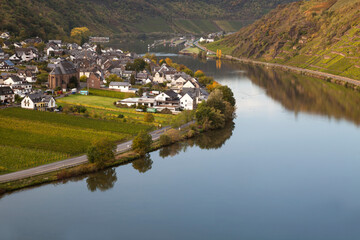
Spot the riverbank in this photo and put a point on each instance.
(63, 172)
(348, 82)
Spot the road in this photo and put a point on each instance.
(71, 162)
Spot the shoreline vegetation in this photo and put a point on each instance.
(209, 115)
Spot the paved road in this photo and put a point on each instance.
(71, 162)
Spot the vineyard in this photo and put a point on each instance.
(31, 138)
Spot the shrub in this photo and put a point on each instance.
(148, 117)
(166, 111)
(191, 133)
(174, 135)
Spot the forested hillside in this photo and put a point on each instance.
(316, 34)
(56, 18)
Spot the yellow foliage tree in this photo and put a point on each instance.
(80, 34)
(212, 86)
(168, 61)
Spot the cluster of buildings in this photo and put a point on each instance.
(67, 63)
(184, 92)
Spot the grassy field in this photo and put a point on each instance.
(219, 45)
(192, 50)
(110, 93)
(31, 138)
(104, 106)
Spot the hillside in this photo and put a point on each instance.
(316, 34)
(55, 18)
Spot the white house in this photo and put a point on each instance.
(13, 79)
(38, 101)
(188, 84)
(21, 89)
(122, 86)
(5, 35)
(187, 102)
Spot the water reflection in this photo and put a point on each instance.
(214, 139)
(143, 164)
(102, 181)
(300, 93)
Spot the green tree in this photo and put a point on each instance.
(209, 117)
(101, 151)
(215, 100)
(142, 143)
(188, 71)
(42, 77)
(138, 65)
(228, 95)
(165, 140)
(132, 80)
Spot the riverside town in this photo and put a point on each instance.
(179, 119)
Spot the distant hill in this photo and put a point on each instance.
(56, 18)
(317, 34)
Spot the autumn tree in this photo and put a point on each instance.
(168, 61)
(80, 35)
(199, 73)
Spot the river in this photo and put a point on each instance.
(287, 168)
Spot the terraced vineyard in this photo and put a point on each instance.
(318, 35)
(31, 138)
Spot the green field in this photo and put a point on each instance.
(219, 45)
(110, 93)
(31, 138)
(104, 106)
(192, 50)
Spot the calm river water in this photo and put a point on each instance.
(287, 168)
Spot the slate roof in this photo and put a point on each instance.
(173, 95)
(39, 97)
(6, 91)
(119, 84)
(15, 78)
(64, 67)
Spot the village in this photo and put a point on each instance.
(34, 74)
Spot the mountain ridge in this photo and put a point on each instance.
(55, 18)
(317, 35)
